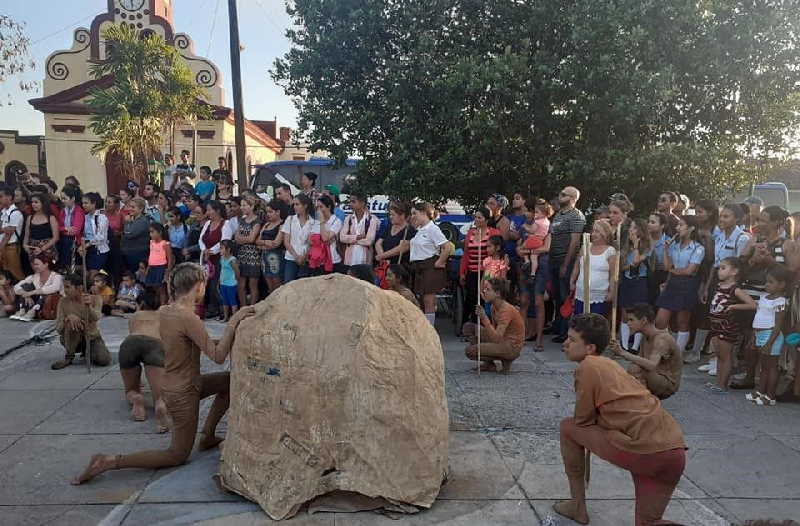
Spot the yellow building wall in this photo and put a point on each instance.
(69, 153)
(255, 151)
(27, 154)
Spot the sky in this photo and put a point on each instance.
(262, 26)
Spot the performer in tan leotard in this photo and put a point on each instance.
(185, 338)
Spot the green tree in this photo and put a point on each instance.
(153, 90)
(14, 53)
(454, 98)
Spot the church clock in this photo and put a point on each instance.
(131, 5)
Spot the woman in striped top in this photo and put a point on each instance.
(475, 243)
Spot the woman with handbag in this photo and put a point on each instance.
(394, 245)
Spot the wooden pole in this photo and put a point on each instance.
(614, 283)
(587, 265)
(87, 351)
(238, 104)
(480, 240)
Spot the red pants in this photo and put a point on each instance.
(655, 475)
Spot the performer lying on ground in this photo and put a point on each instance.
(503, 336)
(617, 419)
(185, 338)
(142, 347)
(659, 364)
(76, 320)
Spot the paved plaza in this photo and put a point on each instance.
(743, 462)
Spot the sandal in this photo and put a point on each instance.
(755, 396)
(538, 347)
(765, 400)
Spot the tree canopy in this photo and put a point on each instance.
(153, 90)
(454, 98)
(14, 53)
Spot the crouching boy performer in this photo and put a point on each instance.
(184, 337)
(620, 421)
(76, 321)
(659, 365)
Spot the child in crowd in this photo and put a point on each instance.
(159, 262)
(128, 295)
(8, 300)
(495, 265)
(141, 272)
(536, 233)
(178, 234)
(725, 330)
(228, 279)
(768, 336)
(205, 187)
(633, 284)
(101, 288)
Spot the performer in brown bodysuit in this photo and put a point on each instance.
(620, 421)
(142, 348)
(184, 337)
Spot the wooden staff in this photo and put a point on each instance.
(480, 240)
(614, 284)
(587, 264)
(87, 352)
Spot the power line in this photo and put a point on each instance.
(269, 17)
(213, 26)
(69, 26)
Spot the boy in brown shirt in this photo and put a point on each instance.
(620, 421)
(76, 321)
(503, 336)
(659, 365)
(185, 338)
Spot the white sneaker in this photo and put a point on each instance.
(28, 316)
(712, 372)
(704, 368)
(19, 314)
(710, 366)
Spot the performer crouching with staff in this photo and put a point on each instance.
(184, 337)
(619, 420)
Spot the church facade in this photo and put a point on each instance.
(68, 83)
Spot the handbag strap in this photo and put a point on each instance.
(405, 235)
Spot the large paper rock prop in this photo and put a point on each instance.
(336, 386)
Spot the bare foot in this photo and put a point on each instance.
(571, 510)
(163, 420)
(209, 442)
(98, 464)
(487, 367)
(136, 400)
(506, 367)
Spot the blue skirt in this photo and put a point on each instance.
(632, 291)
(680, 294)
(601, 308)
(156, 275)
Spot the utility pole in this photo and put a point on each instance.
(238, 106)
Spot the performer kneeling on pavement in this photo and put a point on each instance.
(620, 421)
(502, 336)
(184, 337)
(76, 321)
(142, 347)
(659, 364)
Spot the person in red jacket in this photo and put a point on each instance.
(475, 241)
(70, 225)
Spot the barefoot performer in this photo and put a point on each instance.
(503, 335)
(142, 347)
(620, 421)
(184, 337)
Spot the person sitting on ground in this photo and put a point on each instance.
(76, 321)
(38, 294)
(620, 421)
(362, 272)
(659, 364)
(397, 280)
(183, 333)
(127, 296)
(502, 336)
(142, 347)
(100, 287)
(8, 299)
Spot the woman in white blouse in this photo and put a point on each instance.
(429, 253)
(35, 291)
(297, 230)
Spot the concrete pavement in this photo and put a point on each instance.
(743, 462)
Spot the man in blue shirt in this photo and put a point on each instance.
(206, 187)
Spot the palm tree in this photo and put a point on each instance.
(153, 90)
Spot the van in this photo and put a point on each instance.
(773, 193)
